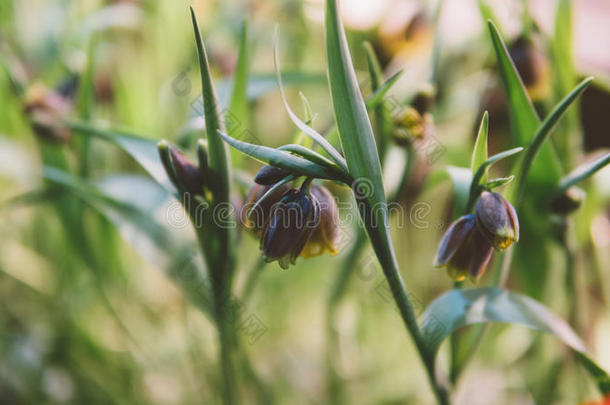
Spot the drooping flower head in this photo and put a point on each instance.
(292, 222)
(324, 238)
(463, 251)
(467, 246)
(497, 220)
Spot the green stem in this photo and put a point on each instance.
(384, 250)
(340, 284)
(221, 272)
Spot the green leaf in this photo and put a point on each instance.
(494, 183)
(479, 154)
(564, 79)
(218, 157)
(535, 147)
(475, 187)
(142, 150)
(285, 160)
(602, 380)
(135, 224)
(301, 138)
(121, 213)
(459, 308)
(461, 178)
(382, 115)
(380, 92)
(310, 155)
(85, 100)
(353, 122)
(318, 138)
(583, 172)
(524, 120)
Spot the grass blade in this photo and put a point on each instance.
(523, 117)
(582, 172)
(310, 155)
(380, 92)
(353, 123)
(142, 150)
(318, 138)
(218, 159)
(542, 134)
(479, 154)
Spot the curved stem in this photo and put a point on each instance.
(384, 250)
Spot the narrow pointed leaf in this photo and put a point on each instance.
(353, 122)
(382, 115)
(479, 154)
(494, 183)
(311, 156)
(284, 160)
(542, 134)
(523, 117)
(583, 172)
(380, 92)
(318, 138)
(475, 187)
(218, 159)
(142, 150)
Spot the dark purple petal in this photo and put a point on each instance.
(453, 238)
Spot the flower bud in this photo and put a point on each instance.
(569, 201)
(324, 238)
(463, 250)
(290, 226)
(261, 213)
(189, 176)
(46, 109)
(270, 175)
(497, 220)
(409, 126)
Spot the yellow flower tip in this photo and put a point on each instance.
(457, 274)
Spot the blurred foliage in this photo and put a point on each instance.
(103, 291)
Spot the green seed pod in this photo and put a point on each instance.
(497, 220)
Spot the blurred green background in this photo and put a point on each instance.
(93, 311)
